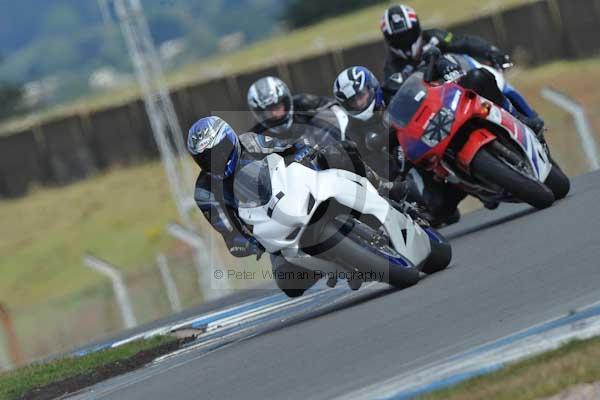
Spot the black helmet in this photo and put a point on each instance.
(264, 97)
(402, 31)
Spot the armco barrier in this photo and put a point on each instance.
(68, 149)
(489, 27)
(581, 21)
(61, 151)
(534, 31)
(314, 74)
(113, 126)
(369, 55)
(20, 163)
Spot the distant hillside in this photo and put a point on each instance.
(65, 37)
(67, 49)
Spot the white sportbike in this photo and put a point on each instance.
(334, 222)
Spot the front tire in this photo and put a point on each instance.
(441, 253)
(354, 252)
(558, 182)
(490, 169)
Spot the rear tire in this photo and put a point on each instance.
(354, 252)
(558, 182)
(489, 169)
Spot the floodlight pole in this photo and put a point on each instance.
(159, 107)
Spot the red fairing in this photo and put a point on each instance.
(427, 117)
(477, 140)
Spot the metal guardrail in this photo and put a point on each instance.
(118, 282)
(584, 128)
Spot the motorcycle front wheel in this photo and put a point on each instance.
(558, 182)
(441, 252)
(355, 252)
(488, 168)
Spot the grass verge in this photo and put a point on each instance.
(67, 375)
(534, 378)
(119, 215)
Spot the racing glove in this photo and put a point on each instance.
(242, 247)
(499, 59)
(432, 52)
(396, 190)
(447, 69)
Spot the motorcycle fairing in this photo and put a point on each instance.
(279, 224)
(525, 138)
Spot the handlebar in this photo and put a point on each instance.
(433, 54)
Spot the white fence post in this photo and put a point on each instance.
(204, 267)
(118, 283)
(582, 124)
(169, 282)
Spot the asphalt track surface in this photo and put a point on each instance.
(512, 268)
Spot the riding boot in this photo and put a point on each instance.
(535, 123)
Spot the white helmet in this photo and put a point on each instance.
(358, 92)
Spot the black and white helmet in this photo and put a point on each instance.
(358, 92)
(270, 101)
(402, 31)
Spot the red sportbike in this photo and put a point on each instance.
(469, 141)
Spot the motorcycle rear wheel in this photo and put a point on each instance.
(488, 168)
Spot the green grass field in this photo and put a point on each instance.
(16, 383)
(535, 378)
(343, 31)
(121, 214)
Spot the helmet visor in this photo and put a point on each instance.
(274, 114)
(215, 159)
(404, 40)
(360, 101)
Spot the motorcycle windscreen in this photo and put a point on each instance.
(252, 185)
(407, 101)
(402, 109)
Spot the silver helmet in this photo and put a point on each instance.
(270, 101)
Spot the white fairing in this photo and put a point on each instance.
(292, 187)
(342, 119)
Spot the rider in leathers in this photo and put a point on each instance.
(360, 95)
(406, 43)
(219, 162)
(358, 92)
(297, 127)
(278, 113)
